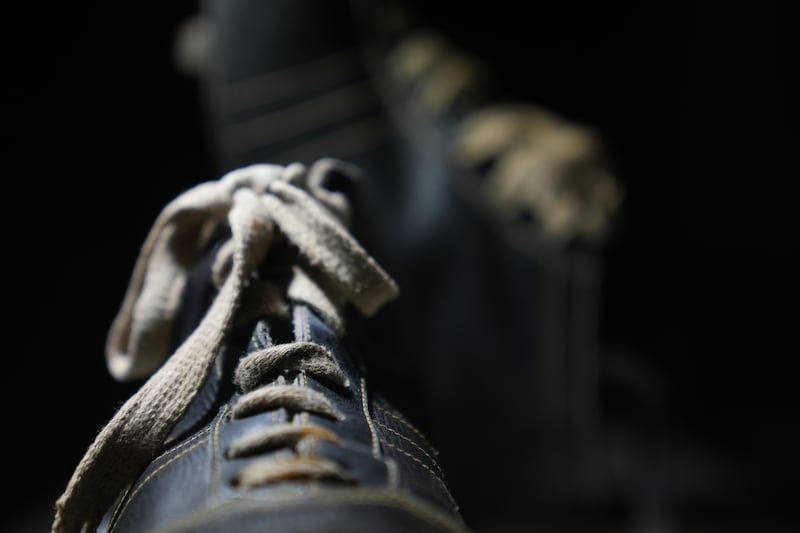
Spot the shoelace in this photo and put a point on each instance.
(312, 360)
(256, 202)
(540, 163)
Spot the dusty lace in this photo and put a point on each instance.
(540, 165)
(257, 203)
(310, 359)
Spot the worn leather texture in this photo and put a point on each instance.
(394, 482)
(494, 326)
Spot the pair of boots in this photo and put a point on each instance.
(367, 172)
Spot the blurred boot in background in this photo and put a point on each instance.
(490, 214)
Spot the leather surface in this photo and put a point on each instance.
(396, 483)
(492, 347)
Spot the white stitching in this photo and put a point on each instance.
(157, 471)
(404, 422)
(426, 467)
(376, 450)
(432, 460)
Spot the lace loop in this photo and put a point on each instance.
(293, 398)
(305, 356)
(286, 468)
(278, 436)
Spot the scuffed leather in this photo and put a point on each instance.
(396, 483)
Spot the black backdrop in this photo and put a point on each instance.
(697, 103)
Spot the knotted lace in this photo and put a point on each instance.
(257, 203)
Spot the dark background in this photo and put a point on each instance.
(697, 102)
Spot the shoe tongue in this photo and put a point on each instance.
(275, 330)
(197, 296)
(250, 338)
(219, 386)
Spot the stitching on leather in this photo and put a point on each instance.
(376, 450)
(431, 459)
(117, 509)
(215, 467)
(158, 470)
(391, 422)
(426, 467)
(428, 514)
(182, 445)
(381, 439)
(404, 422)
(392, 479)
(318, 75)
(123, 501)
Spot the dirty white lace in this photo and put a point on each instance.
(310, 359)
(257, 203)
(544, 165)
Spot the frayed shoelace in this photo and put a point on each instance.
(257, 203)
(311, 359)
